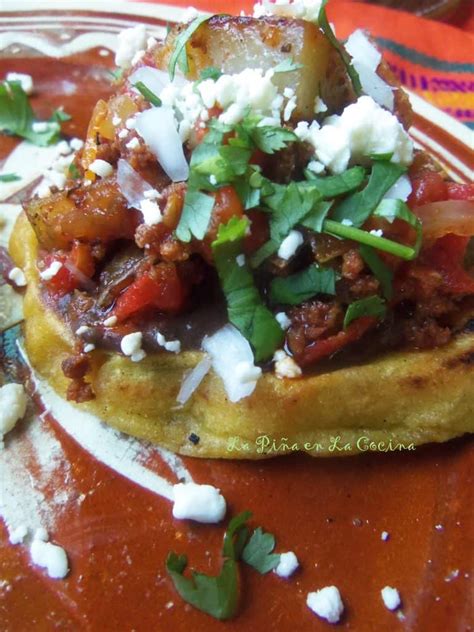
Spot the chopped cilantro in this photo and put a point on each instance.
(332, 186)
(73, 171)
(245, 307)
(218, 596)
(258, 552)
(288, 205)
(329, 33)
(296, 288)
(314, 220)
(270, 139)
(147, 93)
(60, 116)
(9, 177)
(364, 237)
(287, 65)
(196, 215)
(380, 269)
(210, 73)
(179, 56)
(396, 209)
(16, 116)
(370, 306)
(116, 74)
(359, 206)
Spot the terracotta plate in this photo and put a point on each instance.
(104, 509)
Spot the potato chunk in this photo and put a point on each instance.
(235, 43)
(95, 213)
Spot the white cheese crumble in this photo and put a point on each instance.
(189, 14)
(83, 329)
(202, 503)
(101, 168)
(131, 42)
(41, 534)
(116, 120)
(123, 133)
(287, 565)
(111, 321)
(285, 366)
(131, 123)
(326, 603)
(12, 407)
(51, 271)
(17, 276)
(384, 536)
(18, 535)
(174, 346)
(319, 106)
(290, 245)
(51, 557)
(133, 144)
(240, 260)
(26, 81)
(363, 129)
(283, 320)
(249, 91)
(89, 347)
(40, 126)
(390, 597)
(151, 212)
(131, 346)
(302, 9)
(76, 143)
(152, 194)
(376, 232)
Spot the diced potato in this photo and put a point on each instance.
(95, 213)
(235, 43)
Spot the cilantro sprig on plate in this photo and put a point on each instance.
(17, 116)
(218, 595)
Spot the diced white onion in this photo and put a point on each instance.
(366, 59)
(132, 186)
(157, 126)
(154, 79)
(193, 379)
(401, 190)
(228, 349)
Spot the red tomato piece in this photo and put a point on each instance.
(327, 347)
(460, 191)
(160, 288)
(428, 186)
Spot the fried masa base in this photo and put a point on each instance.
(400, 399)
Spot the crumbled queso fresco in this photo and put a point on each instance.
(326, 603)
(202, 503)
(12, 407)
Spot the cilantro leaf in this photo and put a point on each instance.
(329, 33)
(364, 237)
(380, 269)
(73, 171)
(234, 541)
(217, 596)
(314, 220)
(258, 552)
(370, 306)
(179, 55)
(287, 65)
(16, 116)
(148, 94)
(288, 205)
(332, 186)
(245, 307)
(270, 139)
(60, 116)
(210, 73)
(397, 209)
(359, 206)
(296, 288)
(196, 215)
(9, 177)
